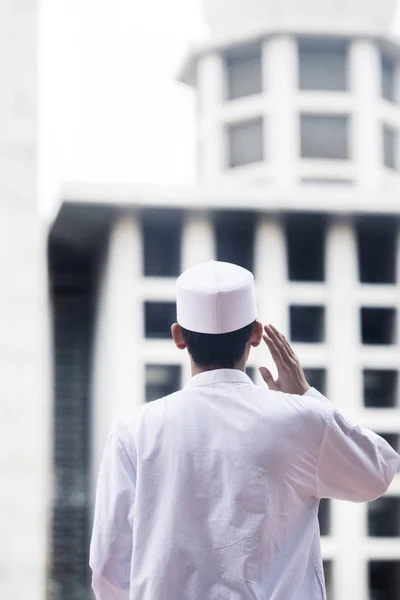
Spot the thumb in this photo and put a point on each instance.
(267, 376)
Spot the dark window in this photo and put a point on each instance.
(380, 388)
(251, 372)
(393, 439)
(325, 136)
(162, 231)
(243, 71)
(234, 237)
(307, 324)
(388, 67)
(324, 516)
(316, 379)
(328, 574)
(158, 318)
(389, 147)
(378, 326)
(376, 242)
(323, 64)
(162, 380)
(384, 579)
(245, 142)
(305, 238)
(384, 517)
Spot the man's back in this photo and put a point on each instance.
(219, 485)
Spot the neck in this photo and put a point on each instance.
(197, 369)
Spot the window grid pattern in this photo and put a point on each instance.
(305, 293)
(323, 64)
(325, 136)
(390, 142)
(243, 68)
(388, 78)
(245, 142)
(322, 67)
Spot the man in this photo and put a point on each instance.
(212, 493)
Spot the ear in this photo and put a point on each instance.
(257, 334)
(177, 336)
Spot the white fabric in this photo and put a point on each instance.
(215, 297)
(212, 493)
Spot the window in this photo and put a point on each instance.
(388, 81)
(234, 237)
(251, 372)
(380, 388)
(158, 318)
(325, 136)
(376, 244)
(324, 516)
(384, 517)
(323, 64)
(316, 379)
(305, 239)
(393, 439)
(384, 579)
(390, 147)
(307, 324)
(378, 326)
(162, 232)
(245, 142)
(162, 380)
(328, 574)
(243, 71)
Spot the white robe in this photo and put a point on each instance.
(212, 493)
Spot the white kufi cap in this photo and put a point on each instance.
(215, 297)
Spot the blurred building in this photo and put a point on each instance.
(25, 426)
(299, 180)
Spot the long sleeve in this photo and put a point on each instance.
(111, 544)
(355, 464)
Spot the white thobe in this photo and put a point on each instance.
(212, 493)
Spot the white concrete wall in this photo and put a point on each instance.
(25, 428)
(118, 384)
(281, 104)
(365, 77)
(232, 16)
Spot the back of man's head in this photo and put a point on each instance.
(216, 312)
(223, 350)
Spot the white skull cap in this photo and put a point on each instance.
(215, 297)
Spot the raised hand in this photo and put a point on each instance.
(291, 378)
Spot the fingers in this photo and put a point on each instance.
(285, 344)
(276, 356)
(277, 348)
(269, 380)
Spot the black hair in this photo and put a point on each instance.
(222, 350)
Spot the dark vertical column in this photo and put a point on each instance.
(72, 324)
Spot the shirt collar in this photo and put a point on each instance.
(219, 376)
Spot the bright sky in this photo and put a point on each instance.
(111, 110)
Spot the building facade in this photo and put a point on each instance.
(25, 424)
(299, 173)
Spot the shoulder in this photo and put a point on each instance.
(312, 403)
(298, 415)
(146, 414)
